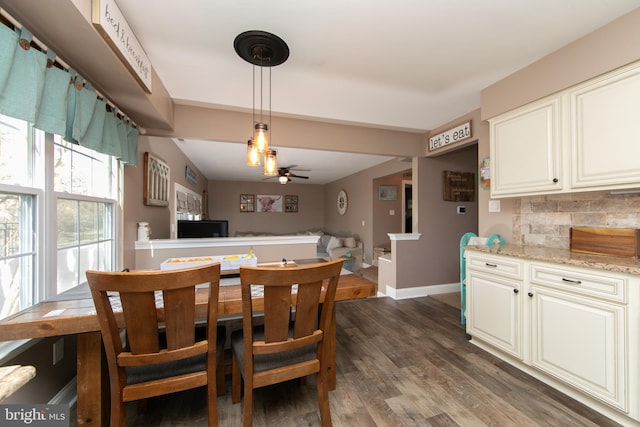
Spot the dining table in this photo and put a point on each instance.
(73, 313)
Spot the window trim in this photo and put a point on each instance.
(45, 224)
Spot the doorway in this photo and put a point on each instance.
(407, 207)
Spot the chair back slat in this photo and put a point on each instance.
(179, 317)
(160, 355)
(143, 318)
(292, 342)
(306, 319)
(140, 317)
(277, 313)
(279, 298)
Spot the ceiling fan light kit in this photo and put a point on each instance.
(264, 50)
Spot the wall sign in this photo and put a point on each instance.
(113, 27)
(459, 186)
(450, 136)
(156, 181)
(190, 176)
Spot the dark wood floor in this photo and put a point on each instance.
(400, 363)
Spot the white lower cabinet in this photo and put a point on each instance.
(576, 328)
(581, 342)
(494, 305)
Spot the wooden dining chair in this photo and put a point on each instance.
(292, 342)
(162, 352)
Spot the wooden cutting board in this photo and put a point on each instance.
(622, 242)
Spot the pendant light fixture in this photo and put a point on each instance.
(264, 50)
(253, 154)
(270, 163)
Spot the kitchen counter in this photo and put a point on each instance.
(563, 256)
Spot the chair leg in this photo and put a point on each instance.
(236, 380)
(220, 375)
(118, 413)
(212, 404)
(323, 398)
(247, 409)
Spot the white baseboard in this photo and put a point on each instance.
(420, 291)
(67, 395)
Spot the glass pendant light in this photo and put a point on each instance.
(261, 137)
(263, 50)
(253, 154)
(270, 164)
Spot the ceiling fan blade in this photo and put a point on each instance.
(293, 175)
(294, 167)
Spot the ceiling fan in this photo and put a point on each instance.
(285, 174)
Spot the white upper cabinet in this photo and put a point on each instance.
(605, 139)
(582, 139)
(525, 150)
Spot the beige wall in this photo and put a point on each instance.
(383, 221)
(158, 217)
(232, 126)
(49, 378)
(603, 50)
(224, 203)
(358, 219)
(434, 258)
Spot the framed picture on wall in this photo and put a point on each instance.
(291, 203)
(387, 192)
(156, 181)
(269, 203)
(247, 203)
(458, 186)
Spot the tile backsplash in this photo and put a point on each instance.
(546, 220)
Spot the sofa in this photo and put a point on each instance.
(335, 247)
(330, 247)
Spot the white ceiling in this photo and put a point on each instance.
(408, 64)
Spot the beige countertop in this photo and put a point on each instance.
(563, 256)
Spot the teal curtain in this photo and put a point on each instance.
(59, 101)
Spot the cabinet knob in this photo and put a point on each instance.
(515, 291)
(530, 294)
(555, 179)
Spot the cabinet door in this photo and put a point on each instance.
(525, 150)
(605, 140)
(493, 311)
(581, 341)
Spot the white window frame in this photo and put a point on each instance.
(45, 227)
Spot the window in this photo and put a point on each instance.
(84, 184)
(17, 254)
(58, 210)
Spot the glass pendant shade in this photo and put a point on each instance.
(261, 137)
(253, 154)
(270, 164)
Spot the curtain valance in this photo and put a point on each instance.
(59, 101)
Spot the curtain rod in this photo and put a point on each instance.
(9, 21)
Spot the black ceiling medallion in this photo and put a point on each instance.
(261, 48)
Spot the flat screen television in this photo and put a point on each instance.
(204, 228)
